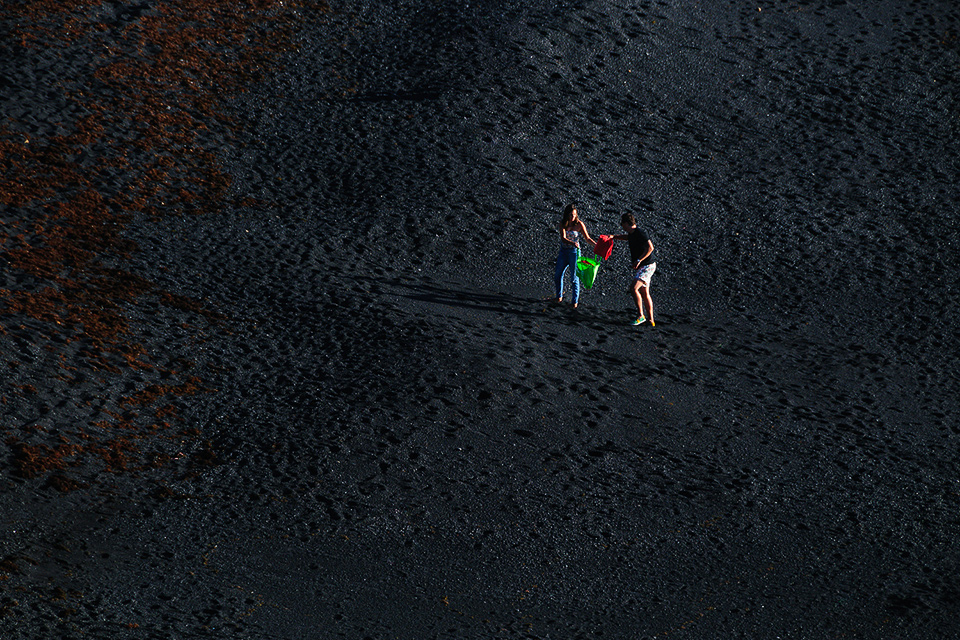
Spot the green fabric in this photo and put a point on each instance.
(587, 270)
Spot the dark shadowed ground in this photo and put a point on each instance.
(281, 361)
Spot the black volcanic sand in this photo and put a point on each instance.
(401, 436)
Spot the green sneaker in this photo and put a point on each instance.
(639, 320)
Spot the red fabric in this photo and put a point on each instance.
(604, 247)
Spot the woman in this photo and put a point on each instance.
(571, 228)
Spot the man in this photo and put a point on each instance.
(641, 253)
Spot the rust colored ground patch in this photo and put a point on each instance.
(134, 146)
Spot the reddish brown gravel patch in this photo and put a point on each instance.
(138, 149)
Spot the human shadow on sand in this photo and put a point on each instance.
(521, 306)
(470, 299)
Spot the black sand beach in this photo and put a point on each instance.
(281, 358)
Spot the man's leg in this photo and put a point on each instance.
(635, 292)
(644, 294)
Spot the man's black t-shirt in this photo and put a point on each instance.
(638, 240)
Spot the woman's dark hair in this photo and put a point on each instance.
(567, 214)
(628, 218)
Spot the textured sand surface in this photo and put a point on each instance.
(281, 359)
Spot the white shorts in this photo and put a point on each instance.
(644, 273)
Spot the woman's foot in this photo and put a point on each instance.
(639, 320)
